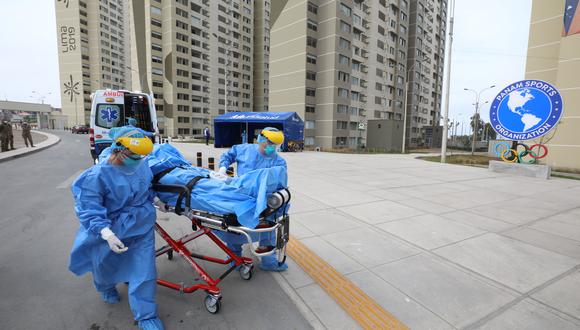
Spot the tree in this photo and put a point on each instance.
(489, 132)
(480, 126)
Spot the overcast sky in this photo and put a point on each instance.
(489, 48)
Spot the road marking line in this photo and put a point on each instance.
(353, 300)
(66, 183)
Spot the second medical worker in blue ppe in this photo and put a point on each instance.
(251, 157)
(116, 242)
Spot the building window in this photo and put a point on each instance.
(312, 8)
(345, 10)
(156, 35)
(156, 71)
(344, 27)
(341, 124)
(155, 10)
(312, 25)
(311, 42)
(342, 92)
(341, 108)
(156, 47)
(311, 92)
(311, 58)
(343, 76)
(309, 141)
(310, 75)
(309, 124)
(344, 44)
(343, 59)
(310, 108)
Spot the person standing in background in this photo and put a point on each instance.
(26, 135)
(206, 135)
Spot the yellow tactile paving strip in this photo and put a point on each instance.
(353, 300)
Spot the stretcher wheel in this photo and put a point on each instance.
(170, 255)
(193, 227)
(246, 272)
(212, 304)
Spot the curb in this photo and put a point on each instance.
(35, 150)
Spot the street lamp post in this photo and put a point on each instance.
(139, 75)
(406, 101)
(475, 119)
(40, 96)
(447, 86)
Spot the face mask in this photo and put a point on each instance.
(270, 149)
(130, 162)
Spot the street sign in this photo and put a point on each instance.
(526, 110)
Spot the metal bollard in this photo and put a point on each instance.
(199, 161)
(211, 163)
(230, 171)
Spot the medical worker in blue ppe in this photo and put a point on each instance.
(116, 242)
(251, 157)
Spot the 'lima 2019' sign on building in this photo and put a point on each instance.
(526, 110)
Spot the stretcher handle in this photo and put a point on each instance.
(183, 191)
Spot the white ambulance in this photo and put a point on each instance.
(113, 108)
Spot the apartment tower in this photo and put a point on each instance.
(553, 48)
(340, 63)
(93, 52)
(200, 59)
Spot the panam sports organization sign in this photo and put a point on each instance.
(526, 110)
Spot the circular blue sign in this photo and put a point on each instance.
(526, 110)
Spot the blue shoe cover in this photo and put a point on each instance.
(151, 324)
(111, 296)
(270, 264)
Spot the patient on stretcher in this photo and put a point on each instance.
(245, 196)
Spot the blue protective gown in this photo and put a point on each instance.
(249, 158)
(245, 195)
(120, 198)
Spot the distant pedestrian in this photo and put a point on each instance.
(4, 137)
(10, 136)
(206, 135)
(26, 135)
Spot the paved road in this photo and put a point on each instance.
(38, 292)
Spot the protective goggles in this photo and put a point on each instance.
(274, 137)
(139, 146)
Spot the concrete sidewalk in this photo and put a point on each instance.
(41, 139)
(439, 246)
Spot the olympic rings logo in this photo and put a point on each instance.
(512, 154)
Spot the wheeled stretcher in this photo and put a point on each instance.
(273, 221)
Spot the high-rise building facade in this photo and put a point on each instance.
(340, 63)
(553, 48)
(200, 59)
(425, 56)
(93, 48)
